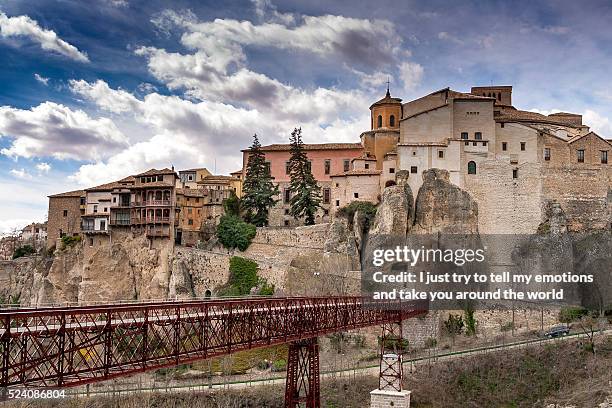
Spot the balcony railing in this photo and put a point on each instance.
(120, 222)
(151, 220)
(91, 229)
(152, 203)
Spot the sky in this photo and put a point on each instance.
(93, 91)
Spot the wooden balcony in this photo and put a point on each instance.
(151, 220)
(90, 229)
(152, 203)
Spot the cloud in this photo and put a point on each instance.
(599, 124)
(411, 74)
(54, 130)
(266, 11)
(43, 167)
(116, 101)
(21, 173)
(42, 80)
(445, 36)
(11, 226)
(48, 39)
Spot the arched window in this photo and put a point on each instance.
(391, 120)
(208, 293)
(471, 167)
(379, 121)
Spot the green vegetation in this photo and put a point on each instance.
(243, 278)
(24, 251)
(235, 233)
(306, 198)
(68, 241)
(258, 191)
(394, 343)
(572, 314)
(232, 206)
(365, 207)
(470, 320)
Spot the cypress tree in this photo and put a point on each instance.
(306, 198)
(258, 190)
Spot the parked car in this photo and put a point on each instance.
(557, 331)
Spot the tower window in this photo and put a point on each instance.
(515, 173)
(379, 121)
(504, 146)
(392, 120)
(547, 153)
(472, 167)
(580, 154)
(523, 145)
(604, 157)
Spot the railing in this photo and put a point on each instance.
(120, 222)
(151, 220)
(161, 203)
(91, 229)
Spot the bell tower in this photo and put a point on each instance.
(386, 113)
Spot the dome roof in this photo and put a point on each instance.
(387, 100)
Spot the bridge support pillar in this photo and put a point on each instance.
(389, 391)
(303, 387)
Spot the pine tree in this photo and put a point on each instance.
(306, 198)
(258, 190)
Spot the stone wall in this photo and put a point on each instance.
(69, 224)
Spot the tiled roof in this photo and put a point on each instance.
(125, 182)
(191, 170)
(312, 146)
(362, 172)
(75, 193)
(575, 138)
(464, 95)
(155, 172)
(237, 172)
(564, 114)
(218, 178)
(515, 115)
(387, 100)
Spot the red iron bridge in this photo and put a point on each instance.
(69, 346)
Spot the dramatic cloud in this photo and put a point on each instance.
(115, 101)
(48, 39)
(41, 79)
(411, 75)
(54, 130)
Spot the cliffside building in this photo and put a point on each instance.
(64, 217)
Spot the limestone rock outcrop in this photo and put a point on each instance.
(442, 207)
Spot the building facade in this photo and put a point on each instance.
(64, 216)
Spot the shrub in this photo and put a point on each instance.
(265, 288)
(231, 206)
(470, 320)
(235, 233)
(243, 275)
(68, 241)
(453, 325)
(24, 251)
(571, 314)
(279, 365)
(366, 207)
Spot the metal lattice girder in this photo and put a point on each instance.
(391, 350)
(302, 387)
(53, 347)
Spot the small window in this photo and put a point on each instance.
(189, 211)
(391, 120)
(286, 223)
(464, 135)
(356, 195)
(327, 166)
(95, 208)
(337, 203)
(347, 165)
(105, 209)
(190, 222)
(523, 145)
(504, 146)
(515, 173)
(268, 167)
(367, 166)
(287, 168)
(379, 121)
(547, 153)
(65, 213)
(580, 154)
(391, 170)
(286, 211)
(326, 195)
(325, 211)
(440, 154)
(502, 125)
(604, 156)
(114, 199)
(91, 242)
(478, 135)
(472, 167)
(286, 196)
(413, 169)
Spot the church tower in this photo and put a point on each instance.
(383, 136)
(386, 113)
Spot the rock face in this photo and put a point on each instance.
(394, 214)
(444, 207)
